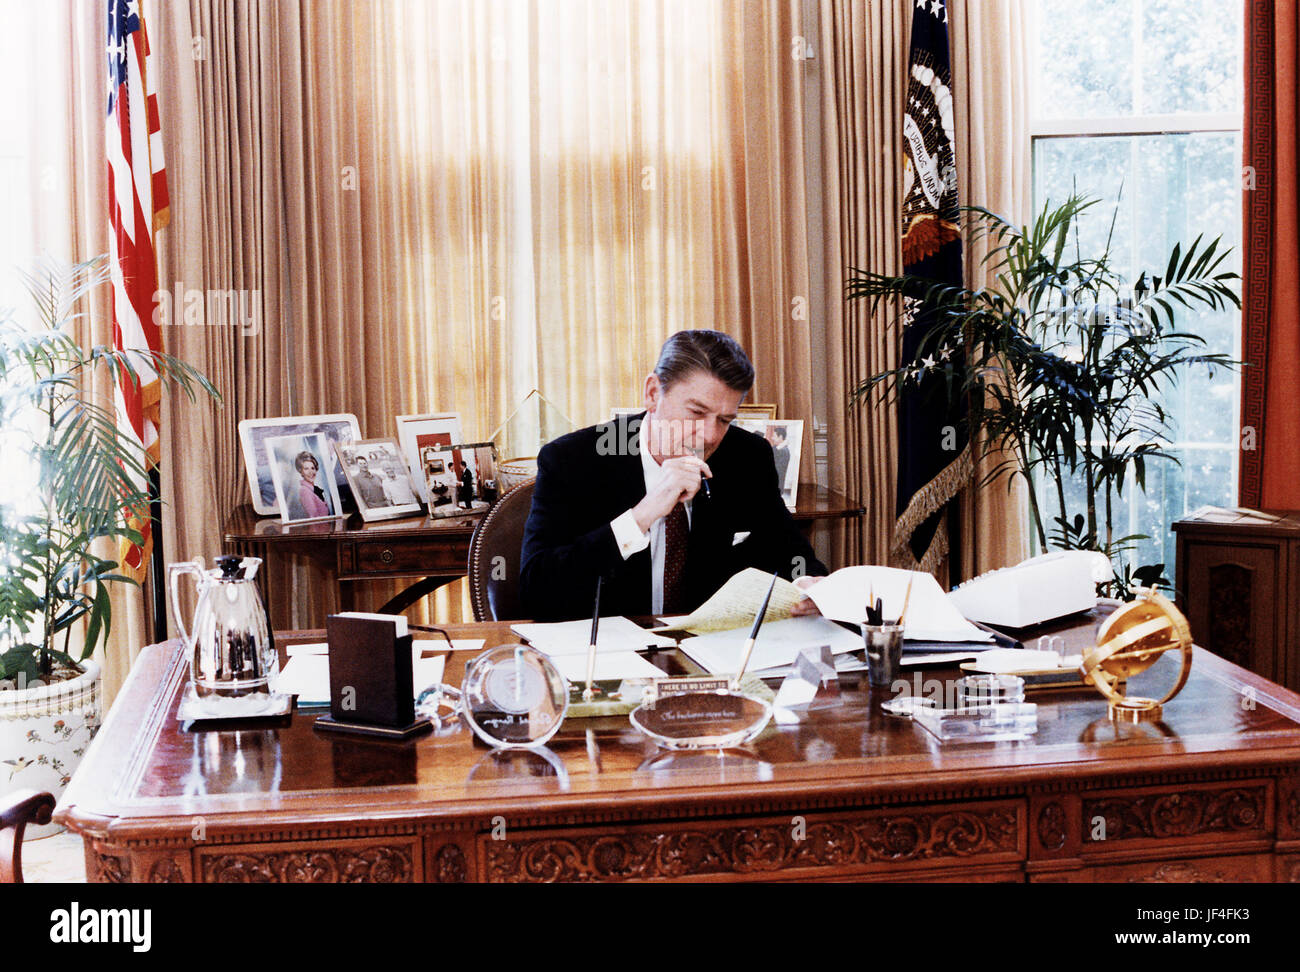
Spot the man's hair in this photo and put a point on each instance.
(778, 430)
(711, 352)
(305, 457)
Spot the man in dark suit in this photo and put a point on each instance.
(623, 500)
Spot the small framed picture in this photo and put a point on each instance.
(381, 483)
(785, 436)
(754, 410)
(304, 489)
(418, 432)
(460, 479)
(253, 434)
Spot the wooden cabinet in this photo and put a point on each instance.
(1239, 585)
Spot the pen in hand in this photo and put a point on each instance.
(704, 480)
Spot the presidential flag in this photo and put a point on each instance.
(137, 208)
(934, 454)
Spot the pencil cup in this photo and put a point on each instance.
(884, 646)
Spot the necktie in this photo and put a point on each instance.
(676, 531)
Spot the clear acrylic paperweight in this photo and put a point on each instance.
(513, 697)
(989, 723)
(718, 719)
(813, 681)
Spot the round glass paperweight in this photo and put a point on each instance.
(702, 720)
(513, 697)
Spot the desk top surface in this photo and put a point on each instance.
(144, 769)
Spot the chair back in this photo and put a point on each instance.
(494, 583)
(17, 810)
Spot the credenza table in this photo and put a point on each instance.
(429, 552)
(1210, 793)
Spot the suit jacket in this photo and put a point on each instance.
(587, 478)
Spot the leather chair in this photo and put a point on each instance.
(494, 584)
(17, 810)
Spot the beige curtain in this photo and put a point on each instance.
(494, 197)
(867, 49)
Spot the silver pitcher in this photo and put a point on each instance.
(231, 652)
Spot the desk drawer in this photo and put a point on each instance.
(920, 842)
(396, 557)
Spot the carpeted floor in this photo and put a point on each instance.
(58, 859)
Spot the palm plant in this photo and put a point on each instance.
(91, 477)
(1061, 362)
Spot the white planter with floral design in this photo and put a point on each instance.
(44, 732)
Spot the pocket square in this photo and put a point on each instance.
(740, 537)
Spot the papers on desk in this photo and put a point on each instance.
(737, 601)
(931, 616)
(617, 643)
(778, 644)
(307, 673)
(457, 644)
(573, 637)
(610, 666)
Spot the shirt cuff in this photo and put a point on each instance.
(628, 535)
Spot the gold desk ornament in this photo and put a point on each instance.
(1129, 642)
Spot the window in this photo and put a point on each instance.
(1138, 102)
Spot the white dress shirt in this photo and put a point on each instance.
(631, 540)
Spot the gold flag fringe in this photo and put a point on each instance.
(925, 503)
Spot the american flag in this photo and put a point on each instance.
(137, 207)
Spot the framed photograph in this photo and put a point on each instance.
(253, 434)
(418, 432)
(381, 483)
(754, 410)
(299, 466)
(460, 479)
(785, 436)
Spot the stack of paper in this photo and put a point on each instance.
(307, 673)
(776, 648)
(617, 643)
(931, 616)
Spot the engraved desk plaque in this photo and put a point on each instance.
(702, 720)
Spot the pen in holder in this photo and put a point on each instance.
(884, 648)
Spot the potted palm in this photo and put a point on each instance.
(1062, 365)
(59, 535)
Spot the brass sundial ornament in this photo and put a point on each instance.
(1131, 641)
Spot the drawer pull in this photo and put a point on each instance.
(386, 555)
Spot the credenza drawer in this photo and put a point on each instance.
(381, 557)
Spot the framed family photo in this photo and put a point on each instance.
(785, 436)
(460, 479)
(253, 436)
(381, 483)
(300, 466)
(418, 432)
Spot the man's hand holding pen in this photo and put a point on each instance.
(679, 482)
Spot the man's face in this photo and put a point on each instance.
(362, 465)
(690, 416)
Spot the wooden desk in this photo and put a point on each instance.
(1210, 794)
(434, 551)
